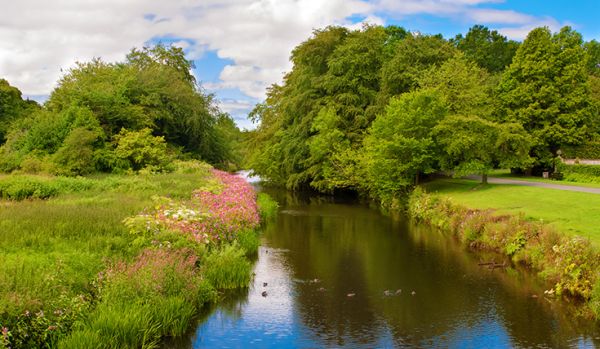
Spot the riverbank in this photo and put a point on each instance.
(120, 261)
(570, 262)
(572, 213)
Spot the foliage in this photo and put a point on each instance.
(580, 173)
(400, 143)
(412, 57)
(141, 149)
(17, 187)
(546, 90)
(72, 276)
(12, 107)
(475, 145)
(152, 90)
(489, 49)
(588, 150)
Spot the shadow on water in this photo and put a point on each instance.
(339, 274)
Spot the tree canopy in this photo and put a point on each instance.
(95, 102)
(374, 109)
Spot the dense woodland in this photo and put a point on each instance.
(115, 117)
(372, 110)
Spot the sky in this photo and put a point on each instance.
(239, 47)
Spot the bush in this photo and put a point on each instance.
(76, 155)
(20, 187)
(589, 150)
(142, 150)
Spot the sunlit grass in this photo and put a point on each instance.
(573, 213)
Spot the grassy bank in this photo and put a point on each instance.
(119, 261)
(572, 263)
(573, 213)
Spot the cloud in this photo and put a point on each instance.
(38, 38)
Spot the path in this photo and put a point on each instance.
(495, 180)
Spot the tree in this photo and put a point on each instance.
(327, 141)
(412, 56)
(473, 145)
(464, 87)
(287, 115)
(400, 143)
(546, 90)
(592, 48)
(12, 107)
(489, 49)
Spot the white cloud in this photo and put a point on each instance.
(38, 38)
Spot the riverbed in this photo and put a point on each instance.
(333, 272)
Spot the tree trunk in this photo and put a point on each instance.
(417, 179)
(484, 178)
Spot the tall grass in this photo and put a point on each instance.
(267, 206)
(69, 263)
(228, 267)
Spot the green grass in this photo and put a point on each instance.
(572, 213)
(506, 174)
(52, 250)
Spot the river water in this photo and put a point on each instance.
(335, 273)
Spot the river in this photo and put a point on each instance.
(335, 273)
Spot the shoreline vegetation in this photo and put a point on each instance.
(570, 263)
(376, 110)
(121, 261)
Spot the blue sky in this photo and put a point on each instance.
(240, 47)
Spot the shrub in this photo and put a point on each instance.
(76, 155)
(141, 149)
(580, 173)
(22, 187)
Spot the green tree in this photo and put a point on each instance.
(287, 115)
(488, 48)
(464, 87)
(546, 90)
(412, 57)
(592, 48)
(328, 140)
(12, 107)
(400, 143)
(473, 145)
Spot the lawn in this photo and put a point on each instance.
(572, 213)
(506, 174)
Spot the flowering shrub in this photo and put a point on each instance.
(209, 217)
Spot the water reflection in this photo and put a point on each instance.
(339, 274)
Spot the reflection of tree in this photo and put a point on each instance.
(353, 249)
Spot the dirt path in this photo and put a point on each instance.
(495, 180)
